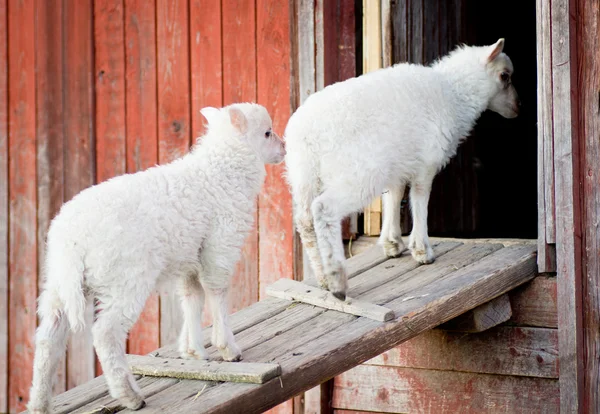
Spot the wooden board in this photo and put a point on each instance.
(249, 372)
(50, 136)
(481, 318)
(142, 140)
(531, 352)
(588, 19)
(297, 291)
(79, 152)
(568, 203)
(273, 71)
(22, 243)
(4, 282)
(205, 60)
(392, 390)
(174, 119)
(534, 304)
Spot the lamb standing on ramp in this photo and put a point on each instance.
(184, 223)
(380, 132)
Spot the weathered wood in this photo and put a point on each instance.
(568, 203)
(333, 342)
(588, 86)
(79, 154)
(275, 222)
(372, 59)
(22, 243)
(4, 283)
(250, 372)
(393, 390)
(318, 400)
(142, 139)
(174, 119)
(482, 317)
(415, 32)
(297, 291)
(534, 304)
(531, 352)
(50, 136)
(546, 227)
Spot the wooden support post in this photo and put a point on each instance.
(482, 318)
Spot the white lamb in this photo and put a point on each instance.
(184, 223)
(378, 133)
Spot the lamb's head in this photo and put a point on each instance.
(499, 68)
(251, 124)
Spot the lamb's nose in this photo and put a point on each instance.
(519, 105)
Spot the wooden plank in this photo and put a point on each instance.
(297, 291)
(334, 342)
(392, 390)
(483, 317)
(273, 71)
(109, 59)
(240, 85)
(415, 32)
(79, 159)
(22, 243)
(142, 139)
(534, 304)
(588, 19)
(400, 31)
(172, 29)
(530, 352)
(546, 226)
(205, 60)
(50, 134)
(250, 372)
(567, 201)
(372, 60)
(4, 281)
(431, 28)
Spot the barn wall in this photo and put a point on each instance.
(100, 88)
(510, 368)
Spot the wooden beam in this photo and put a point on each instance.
(568, 203)
(297, 291)
(483, 317)
(3, 205)
(251, 372)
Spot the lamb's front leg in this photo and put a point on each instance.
(222, 335)
(419, 198)
(191, 343)
(391, 230)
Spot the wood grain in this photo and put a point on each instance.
(205, 60)
(481, 318)
(79, 155)
(50, 134)
(503, 350)
(568, 203)
(172, 29)
(273, 71)
(392, 390)
(588, 62)
(4, 281)
(534, 304)
(22, 243)
(141, 137)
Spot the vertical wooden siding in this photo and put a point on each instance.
(101, 88)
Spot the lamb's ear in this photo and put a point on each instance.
(210, 113)
(495, 50)
(238, 119)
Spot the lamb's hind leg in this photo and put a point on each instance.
(306, 229)
(191, 343)
(391, 231)
(109, 332)
(419, 198)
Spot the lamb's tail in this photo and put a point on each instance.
(64, 273)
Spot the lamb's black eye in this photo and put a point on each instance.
(267, 134)
(504, 76)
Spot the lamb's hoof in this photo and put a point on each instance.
(393, 249)
(38, 410)
(423, 256)
(231, 353)
(200, 354)
(337, 283)
(136, 404)
(339, 295)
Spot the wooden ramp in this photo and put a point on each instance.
(312, 344)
